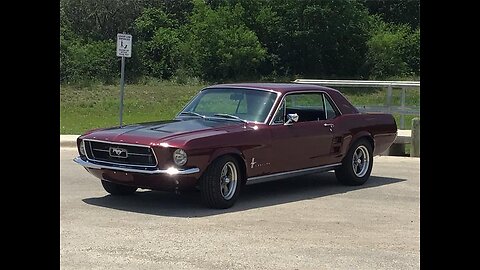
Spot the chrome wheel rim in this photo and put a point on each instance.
(360, 161)
(228, 180)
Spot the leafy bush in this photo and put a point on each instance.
(393, 50)
(160, 55)
(149, 21)
(94, 60)
(158, 45)
(220, 45)
(218, 40)
(411, 52)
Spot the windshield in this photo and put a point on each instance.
(232, 103)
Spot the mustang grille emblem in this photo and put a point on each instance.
(118, 152)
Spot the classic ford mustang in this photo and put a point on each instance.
(233, 134)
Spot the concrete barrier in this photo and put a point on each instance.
(415, 148)
(404, 137)
(68, 141)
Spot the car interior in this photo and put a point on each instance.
(307, 114)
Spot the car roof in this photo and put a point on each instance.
(277, 87)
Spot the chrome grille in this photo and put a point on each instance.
(120, 153)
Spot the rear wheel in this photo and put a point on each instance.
(356, 165)
(220, 184)
(117, 189)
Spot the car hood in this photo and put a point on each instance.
(154, 133)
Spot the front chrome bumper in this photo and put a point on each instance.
(169, 171)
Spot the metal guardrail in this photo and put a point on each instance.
(388, 107)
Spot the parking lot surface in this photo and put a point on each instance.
(309, 222)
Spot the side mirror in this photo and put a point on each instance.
(292, 118)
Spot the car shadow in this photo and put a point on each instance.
(189, 204)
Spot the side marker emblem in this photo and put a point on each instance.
(252, 163)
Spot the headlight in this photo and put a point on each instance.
(82, 148)
(179, 157)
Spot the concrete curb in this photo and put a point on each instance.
(403, 136)
(68, 141)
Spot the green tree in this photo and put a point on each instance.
(411, 51)
(220, 44)
(90, 61)
(158, 44)
(393, 50)
(178, 10)
(160, 55)
(259, 17)
(101, 19)
(65, 36)
(396, 12)
(310, 37)
(149, 21)
(240, 39)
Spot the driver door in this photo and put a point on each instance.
(306, 143)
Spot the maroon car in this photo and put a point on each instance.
(233, 134)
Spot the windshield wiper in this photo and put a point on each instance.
(229, 116)
(193, 113)
(223, 115)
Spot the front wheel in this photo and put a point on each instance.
(116, 189)
(220, 184)
(356, 165)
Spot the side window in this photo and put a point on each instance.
(308, 106)
(331, 111)
(313, 101)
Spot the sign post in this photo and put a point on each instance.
(124, 49)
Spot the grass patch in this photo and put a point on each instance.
(84, 108)
(95, 105)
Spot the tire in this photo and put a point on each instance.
(116, 189)
(221, 182)
(356, 172)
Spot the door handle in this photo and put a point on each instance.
(328, 125)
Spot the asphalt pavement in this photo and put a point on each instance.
(309, 222)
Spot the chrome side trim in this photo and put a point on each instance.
(220, 86)
(282, 175)
(121, 143)
(277, 111)
(169, 171)
(270, 114)
(325, 107)
(331, 101)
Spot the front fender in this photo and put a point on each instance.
(225, 151)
